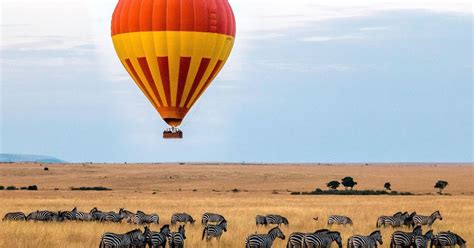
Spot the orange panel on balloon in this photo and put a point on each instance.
(173, 49)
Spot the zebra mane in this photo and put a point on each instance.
(322, 230)
(374, 232)
(416, 229)
(140, 212)
(164, 227)
(397, 213)
(271, 230)
(459, 238)
(437, 211)
(134, 231)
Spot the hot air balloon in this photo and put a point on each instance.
(173, 50)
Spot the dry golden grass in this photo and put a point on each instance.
(133, 186)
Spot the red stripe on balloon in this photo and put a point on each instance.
(200, 74)
(165, 77)
(184, 64)
(149, 77)
(211, 77)
(139, 81)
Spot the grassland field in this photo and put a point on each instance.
(199, 188)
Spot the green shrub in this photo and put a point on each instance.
(2, 187)
(12, 188)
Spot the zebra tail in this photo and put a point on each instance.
(203, 233)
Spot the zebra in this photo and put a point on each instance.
(421, 241)
(264, 240)
(408, 222)
(322, 240)
(177, 238)
(45, 216)
(15, 216)
(181, 217)
(295, 239)
(447, 239)
(370, 241)
(214, 231)
(394, 221)
(125, 213)
(134, 238)
(141, 218)
(339, 219)
(404, 239)
(158, 239)
(82, 216)
(97, 215)
(260, 220)
(113, 216)
(420, 220)
(276, 219)
(70, 215)
(211, 217)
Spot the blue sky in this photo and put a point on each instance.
(335, 81)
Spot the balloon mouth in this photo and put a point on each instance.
(174, 122)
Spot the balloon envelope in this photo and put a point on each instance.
(173, 49)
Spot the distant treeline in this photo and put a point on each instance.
(31, 187)
(98, 188)
(351, 192)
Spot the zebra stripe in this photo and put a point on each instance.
(82, 216)
(322, 240)
(133, 238)
(15, 216)
(276, 219)
(157, 239)
(211, 217)
(394, 221)
(421, 241)
(339, 220)
(45, 216)
(214, 231)
(140, 218)
(70, 215)
(260, 220)
(420, 220)
(448, 239)
(264, 240)
(404, 239)
(295, 240)
(177, 238)
(370, 241)
(181, 217)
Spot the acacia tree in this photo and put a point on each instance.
(333, 185)
(388, 186)
(348, 182)
(440, 185)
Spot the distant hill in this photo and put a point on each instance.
(12, 158)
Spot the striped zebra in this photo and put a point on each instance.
(140, 218)
(214, 231)
(260, 220)
(408, 222)
(447, 239)
(134, 238)
(83, 216)
(322, 240)
(113, 216)
(70, 215)
(401, 239)
(276, 220)
(211, 217)
(45, 216)
(420, 220)
(264, 240)
(370, 241)
(125, 213)
(421, 241)
(181, 217)
(177, 238)
(15, 216)
(97, 215)
(295, 239)
(339, 220)
(395, 220)
(158, 239)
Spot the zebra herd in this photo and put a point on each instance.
(214, 225)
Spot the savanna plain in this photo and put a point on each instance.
(237, 191)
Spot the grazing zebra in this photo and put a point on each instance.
(214, 231)
(394, 221)
(113, 216)
(140, 218)
(97, 215)
(45, 216)
(158, 239)
(339, 219)
(264, 240)
(420, 220)
(70, 215)
(276, 219)
(370, 241)
(177, 238)
(181, 217)
(260, 220)
(15, 216)
(421, 241)
(404, 239)
(322, 240)
(447, 239)
(295, 240)
(82, 216)
(134, 238)
(125, 213)
(211, 217)
(408, 222)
